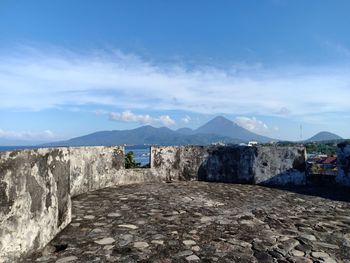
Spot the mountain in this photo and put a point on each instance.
(186, 131)
(224, 127)
(217, 130)
(324, 136)
(143, 135)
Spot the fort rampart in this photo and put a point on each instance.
(36, 186)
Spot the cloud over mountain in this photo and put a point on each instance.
(252, 124)
(128, 116)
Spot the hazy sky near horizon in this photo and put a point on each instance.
(68, 68)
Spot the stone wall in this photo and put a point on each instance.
(343, 165)
(35, 201)
(178, 162)
(231, 164)
(93, 168)
(36, 186)
(139, 175)
(97, 167)
(280, 165)
(255, 165)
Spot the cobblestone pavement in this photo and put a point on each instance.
(203, 222)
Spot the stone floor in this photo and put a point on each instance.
(204, 222)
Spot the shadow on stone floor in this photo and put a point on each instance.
(331, 192)
(286, 181)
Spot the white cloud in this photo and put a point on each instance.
(186, 119)
(128, 116)
(166, 120)
(39, 80)
(252, 124)
(27, 135)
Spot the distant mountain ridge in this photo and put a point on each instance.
(324, 136)
(143, 135)
(224, 127)
(218, 130)
(186, 131)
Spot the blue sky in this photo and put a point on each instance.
(68, 68)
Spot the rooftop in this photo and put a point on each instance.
(206, 222)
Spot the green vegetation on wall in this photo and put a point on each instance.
(130, 162)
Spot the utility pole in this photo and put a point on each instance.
(301, 132)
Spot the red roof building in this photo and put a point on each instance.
(329, 160)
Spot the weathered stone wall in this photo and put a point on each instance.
(94, 168)
(280, 165)
(231, 164)
(343, 165)
(36, 187)
(178, 162)
(140, 175)
(35, 201)
(228, 164)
